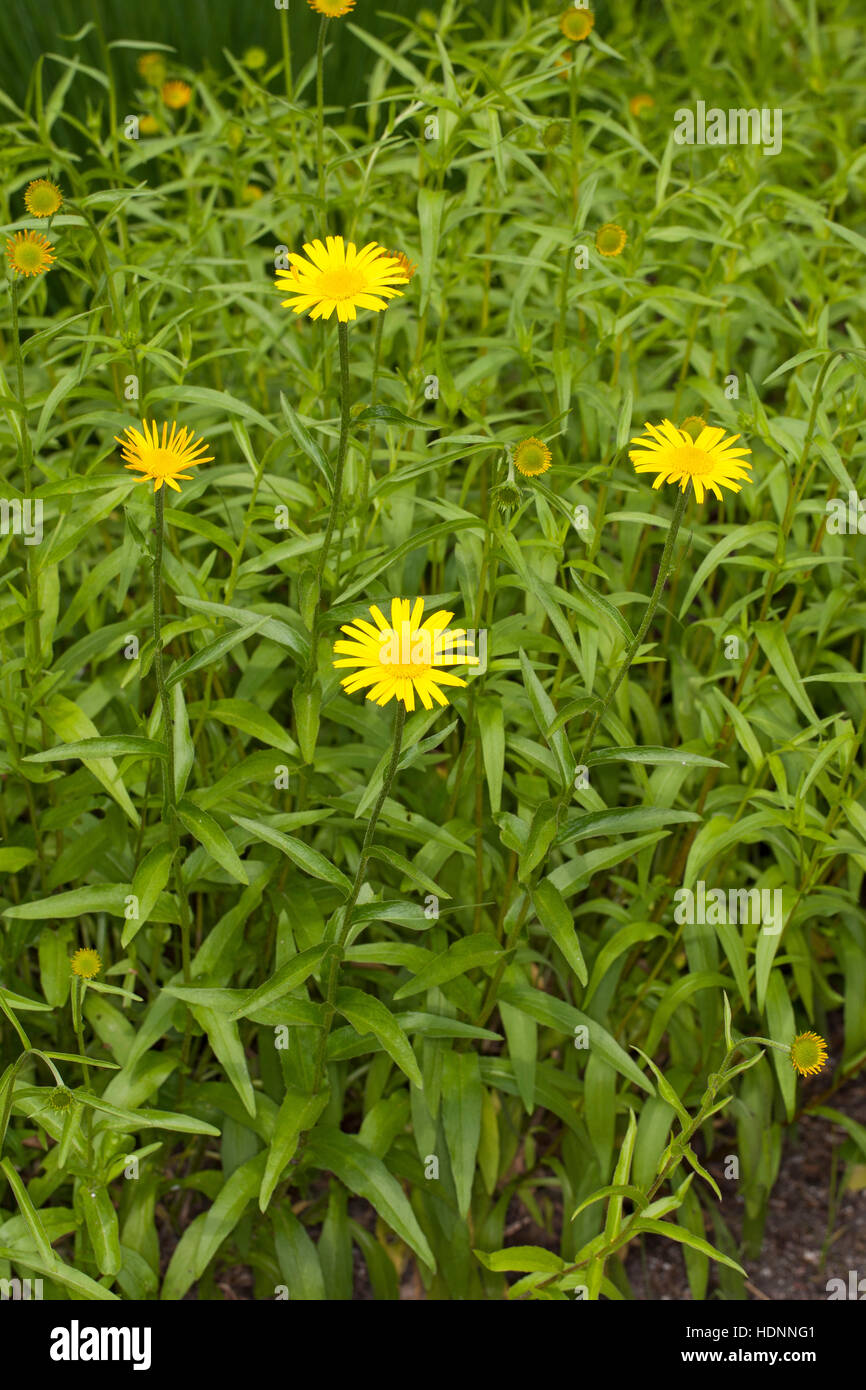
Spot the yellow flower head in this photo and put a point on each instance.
(531, 457)
(29, 253)
(163, 460)
(332, 9)
(576, 24)
(808, 1054)
(251, 193)
(151, 67)
(340, 277)
(85, 963)
(176, 93)
(709, 462)
(148, 125)
(408, 267)
(642, 102)
(405, 657)
(255, 58)
(610, 239)
(42, 198)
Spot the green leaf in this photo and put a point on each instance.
(465, 954)
(389, 415)
(364, 1174)
(555, 916)
(310, 860)
(287, 978)
(225, 1040)
(120, 746)
(643, 1225)
(367, 1014)
(461, 1120)
(777, 649)
(655, 756)
(213, 652)
(216, 842)
(298, 1112)
(207, 1233)
(520, 1259)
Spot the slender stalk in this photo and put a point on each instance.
(169, 792)
(320, 108)
(337, 492)
(365, 474)
(339, 949)
(664, 569)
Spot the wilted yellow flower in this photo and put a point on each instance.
(709, 462)
(610, 239)
(642, 102)
(808, 1053)
(176, 93)
(576, 24)
(29, 253)
(42, 198)
(151, 67)
(340, 277)
(408, 267)
(405, 657)
(162, 460)
(85, 963)
(531, 457)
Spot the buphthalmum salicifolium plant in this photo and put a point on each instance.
(432, 818)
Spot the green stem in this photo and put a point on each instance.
(320, 110)
(368, 457)
(169, 792)
(339, 949)
(664, 569)
(336, 495)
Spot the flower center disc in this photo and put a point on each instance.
(405, 654)
(342, 283)
(693, 461)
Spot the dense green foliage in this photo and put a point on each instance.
(515, 944)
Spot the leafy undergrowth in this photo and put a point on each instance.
(303, 992)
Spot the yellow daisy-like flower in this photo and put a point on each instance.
(808, 1054)
(405, 657)
(642, 102)
(340, 277)
(151, 67)
(577, 24)
(176, 94)
(163, 460)
(29, 253)
(408, 267)
(610, 239)
(85, 963)
(531, 457)
(709, 462)
(42, 198)
(332, 9)
(148, 125)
